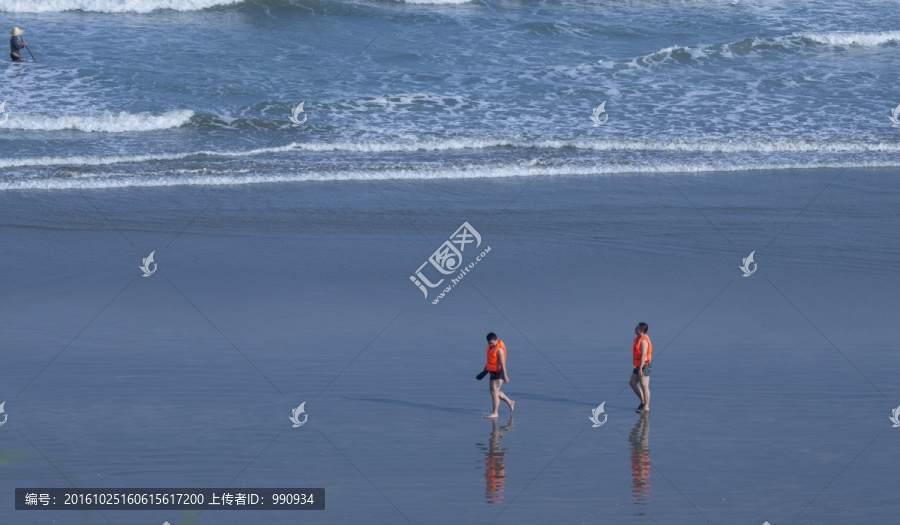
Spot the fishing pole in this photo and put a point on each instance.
(30, 53)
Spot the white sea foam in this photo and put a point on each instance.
(733, 146)
(839, 38)
(736, 146)
(90, 160)
(835, 38)
(666, 53)
(437, 2)
(107, 122)
(108, 6)
(472, 172)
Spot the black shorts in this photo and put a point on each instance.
(16, 58)
(646, 370)
(496, 375)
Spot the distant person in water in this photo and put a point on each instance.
(16, 44)
(496, 367)
(641, 355)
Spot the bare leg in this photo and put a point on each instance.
(506, 400)
(645, 387)
(634, 386)
(494, 388)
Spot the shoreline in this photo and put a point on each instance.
(561, 174)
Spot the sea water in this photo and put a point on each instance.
(200, 92)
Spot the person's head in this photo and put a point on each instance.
(492, 338)
(641, 328)
(16, 32)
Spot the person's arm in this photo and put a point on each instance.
(643, 358)
(502, 354)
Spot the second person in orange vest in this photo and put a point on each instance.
(496, 366)
(641, 355)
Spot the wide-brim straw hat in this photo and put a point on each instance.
(16, 32)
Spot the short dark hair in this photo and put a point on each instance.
(643, 326)
(491, 336)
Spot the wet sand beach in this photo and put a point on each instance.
(771, 393)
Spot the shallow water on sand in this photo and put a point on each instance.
(771, 393)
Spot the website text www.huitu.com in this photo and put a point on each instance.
(454, 281)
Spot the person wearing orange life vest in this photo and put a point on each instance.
(496, 366)
(641, 355)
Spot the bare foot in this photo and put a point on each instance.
(491, 416)
(512, 405)
(646, 410)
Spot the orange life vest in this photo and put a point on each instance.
(493, 357)
(636, 351)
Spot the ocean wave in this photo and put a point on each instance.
(731, 146)
(645, 146)
(106, 123)
(149, 6)
(87, 160)
(471, 172)
(109, 6)
(438, 2)
(840, 38)
(789, 42)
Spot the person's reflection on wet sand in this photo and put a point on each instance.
(495, 463)
(640, 462)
